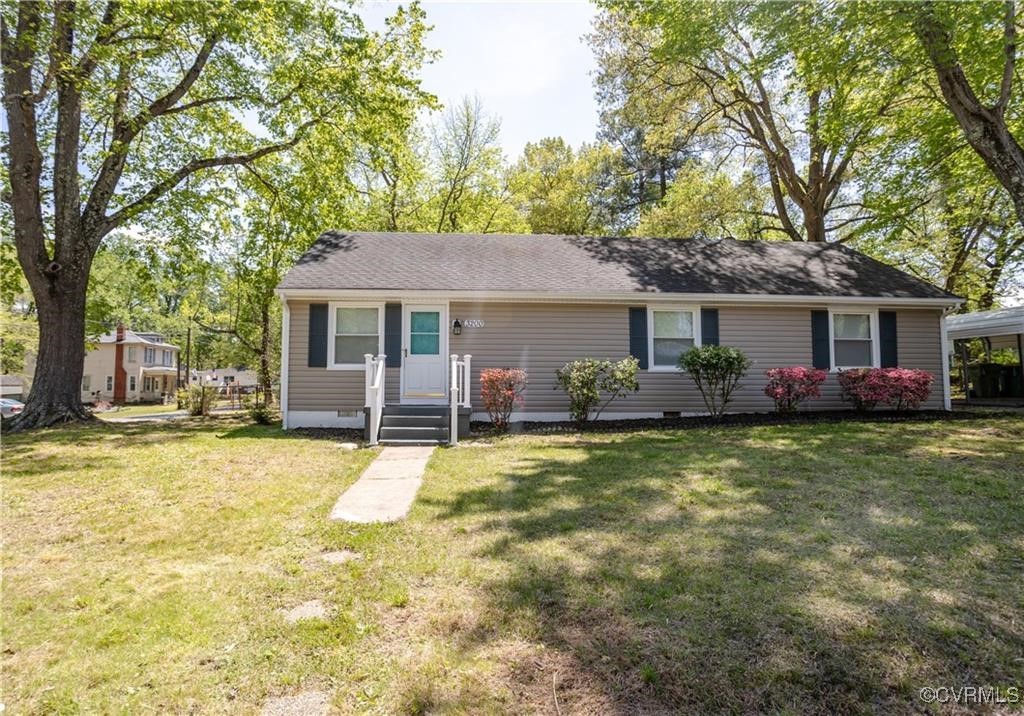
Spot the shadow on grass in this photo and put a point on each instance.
(828, 569)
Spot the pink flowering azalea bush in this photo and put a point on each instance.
(864, 387)
(902, 388)
(501, 390)
(908, 388)
(790, 386)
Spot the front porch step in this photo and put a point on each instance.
(414, 421)
(421, 435)
(414, 425)
(396, 441)
(415, 410)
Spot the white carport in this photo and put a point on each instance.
(997, 330)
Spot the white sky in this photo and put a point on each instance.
(527, 61)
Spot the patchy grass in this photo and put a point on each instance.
(130, 411)
(791, 569)
(144, 566)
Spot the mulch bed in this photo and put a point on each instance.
(348, 435)
(735, 420)
(483, 429)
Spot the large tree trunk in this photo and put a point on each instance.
(56, 388)
(814, 225)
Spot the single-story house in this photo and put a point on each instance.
(395, 322)
(126, 366)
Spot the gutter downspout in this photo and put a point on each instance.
(947, 403)
(285, 331)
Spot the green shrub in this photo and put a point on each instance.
(585, 380)
(197, 399)
(717, 371)
(257, 409)
(261, 414)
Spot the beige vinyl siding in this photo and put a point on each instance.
(542, 337)
(320, 389)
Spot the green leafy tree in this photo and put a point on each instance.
(391, 183)
(701, 203)
(134, 105)
(778, 82)
(470, 182)
(562, 191)
(651, 137)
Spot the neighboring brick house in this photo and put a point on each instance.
(130, 367)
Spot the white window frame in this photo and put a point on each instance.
(132, 384)
(651, 308)
(167, 359)
(86, 383)
(332, 321)
(146, 353)
(132, 355)
(872, 314)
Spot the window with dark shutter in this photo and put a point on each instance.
(709, 326)
(820, 351)
(317, 335)
(393, 335)
(887, 339)
(638, 335)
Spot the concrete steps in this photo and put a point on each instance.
(414, 425)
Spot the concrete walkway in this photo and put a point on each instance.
(385, 491)
(158, 417)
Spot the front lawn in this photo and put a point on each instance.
(131, 411)
(795, 569)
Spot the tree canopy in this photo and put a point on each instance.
(166, 162)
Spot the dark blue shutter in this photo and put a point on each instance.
(317, 335)
(709, 326)
(887, 338)
(393, 335)
(820, 353)
(638, 335)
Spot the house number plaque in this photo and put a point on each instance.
(473, 323)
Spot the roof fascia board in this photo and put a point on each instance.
(626, 298)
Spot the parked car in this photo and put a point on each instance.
(9, 407)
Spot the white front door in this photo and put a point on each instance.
(424, 340)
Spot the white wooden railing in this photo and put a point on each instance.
(374, 394)
(459, 393)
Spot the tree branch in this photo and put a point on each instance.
(202, 103)
(162, 187)
(126, 130)
(1009, 64)
(104, 35)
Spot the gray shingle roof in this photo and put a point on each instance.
(580, 264)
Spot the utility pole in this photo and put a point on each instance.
(188, 354)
